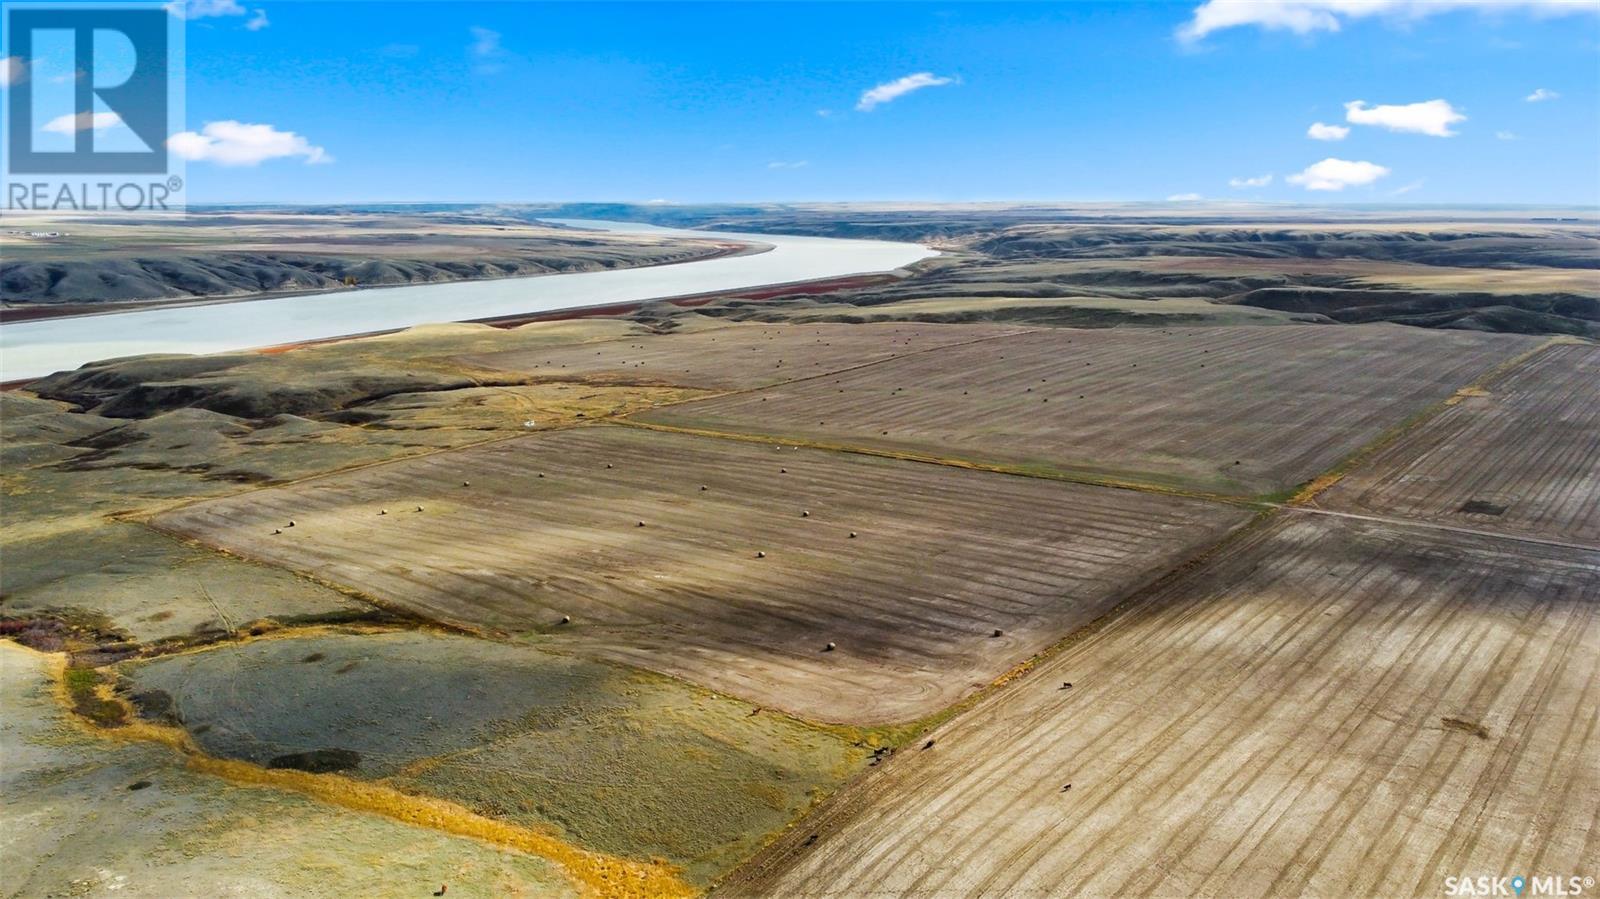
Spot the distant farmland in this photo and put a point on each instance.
(737, 356)
(929, 581)
(1237, 410)
(1523, 459)
(1327, 708)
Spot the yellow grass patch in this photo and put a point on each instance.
(593, 873)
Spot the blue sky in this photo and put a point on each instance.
(516, 101)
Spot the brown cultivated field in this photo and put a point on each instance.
(1524, 458)
(1236, 410)
(652, 544)
(1328, 707)
(735, 357)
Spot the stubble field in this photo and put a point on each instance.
(1522, 458)
(951, 578)
(1239, 410)
(1327, 708)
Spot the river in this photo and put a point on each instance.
(32, 348)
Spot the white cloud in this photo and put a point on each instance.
(13, 70)
(232, 143)
(1541, 95)
(204, 9)
(1400, 191)
(83, 121)
(797, 164)
(486, 48)
(258, 22)
(1307, 16)
(1258, 181)
(892, 90)
(1184, 198)
(485, 42)
(1337, 174)
(825, 113)
(1507, 135)
(1319, 131)
(1431, 117)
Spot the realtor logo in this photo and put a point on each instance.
(92, 90)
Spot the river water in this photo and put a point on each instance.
(33, 348)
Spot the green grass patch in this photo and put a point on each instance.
(83, 688)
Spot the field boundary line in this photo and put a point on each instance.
(1440, 526)
(949, 462)
(1307, 495)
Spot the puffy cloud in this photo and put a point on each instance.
(1307, 16)
(1337, 174)
(232, 143)
(1432, 117)
(797, 164)
(1185, 198)
(1319, 131)
(1541, 95)
(13, 70)
(1258, 181)
(893, 90)
(204, 9)
(83, 121)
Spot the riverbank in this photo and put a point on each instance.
(38, 347)
(42, 311)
